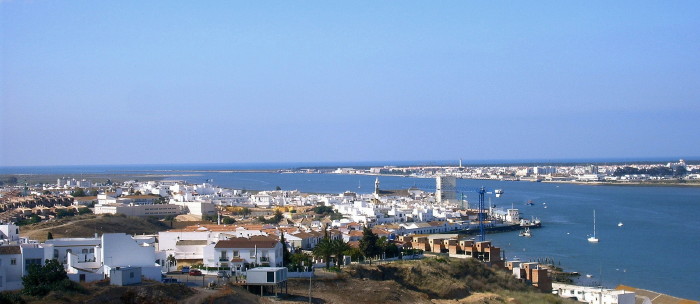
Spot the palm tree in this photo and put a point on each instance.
(171, 261)
(339, 247)
(324, 250)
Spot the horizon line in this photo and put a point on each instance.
(365, 163)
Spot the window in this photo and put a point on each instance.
(92, 250)
(84, 251)
(131, 275)
(13, 261)
(29, 262)
(55, 253)
(235, 253)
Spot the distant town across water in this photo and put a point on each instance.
(121, 168)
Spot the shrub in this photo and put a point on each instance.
(40, 280)
(11, 298)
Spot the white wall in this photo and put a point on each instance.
(120, 250)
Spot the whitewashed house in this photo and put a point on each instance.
(239, 254)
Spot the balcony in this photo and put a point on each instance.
(223, 259)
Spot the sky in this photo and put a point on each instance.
(168, 82)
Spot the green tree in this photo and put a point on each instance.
(12, 180)
(298, 259)
(278, 188)
(170, 218)
(227, 220)
(274, 220)
(354, 253)
(93, 192)
(339, 247)
(64, 213)
(285, 251)
(40, 280)
(78, 192)
(368, 243)
(324, 250)
(171, 260)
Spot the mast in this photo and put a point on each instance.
(593, 223)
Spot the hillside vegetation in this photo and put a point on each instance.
(432, 280)
(442, 278)
(88, 225)
(428, 281)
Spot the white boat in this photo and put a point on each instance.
(498, 192)
(526, 233)
(620, 224)
(593, 239)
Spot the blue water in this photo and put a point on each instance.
(656, 249)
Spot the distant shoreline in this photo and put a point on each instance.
(629, 184)
(48, 178)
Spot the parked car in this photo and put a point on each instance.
(222, 274)
(170, 280)
(185, 269)
(195, 272)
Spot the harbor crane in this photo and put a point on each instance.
(482, 193)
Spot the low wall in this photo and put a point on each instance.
(306, 274)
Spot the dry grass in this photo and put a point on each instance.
(88, 225)
(442, 278)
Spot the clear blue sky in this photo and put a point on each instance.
(131, 82)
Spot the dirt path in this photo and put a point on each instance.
(200, 297)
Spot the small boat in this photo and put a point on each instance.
(593, 239)
(526, 233)
(498, 192)
(530, 203)
(589, 275)
(620, 224)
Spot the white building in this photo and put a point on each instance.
(15, 261)
(83, 248)
(120, 250)
(241, 253)
(9, 233)
(593, 295)
(197, 208)
(11, 271)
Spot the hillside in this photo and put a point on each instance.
(438, 281)
(429, 281)
(88, 225)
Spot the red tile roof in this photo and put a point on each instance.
(253, 242)
(10, 250)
